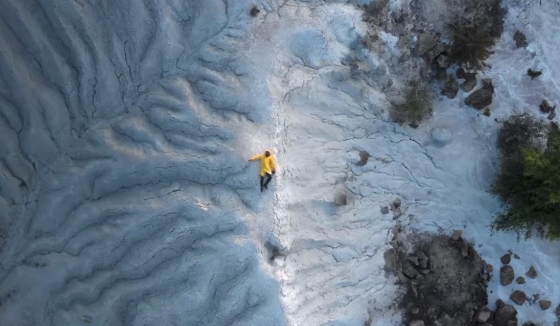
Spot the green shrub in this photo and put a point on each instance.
(417, 104)
(529, 181)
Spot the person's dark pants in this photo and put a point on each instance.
(267, 180)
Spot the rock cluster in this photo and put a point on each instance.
(481, 98)
(440, 273)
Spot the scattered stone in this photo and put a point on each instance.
(552, 115)
(364, 157)
(421, 255)
(451, 87)
(480, 99)
(416, 323)
(441, 135)
(505, 259)
(516, 256)
(506, 275)
(425, 271)
(483, 314)
(424, 264)
(505, 315)
(402, 277)
(431, 55)
(487, 112)
(520, 39)
(468, 85)
(457, 234)
(546, 107)
(254, 11)
(500, 303)
(397, 202)
(409, 270)
(532, 273)
(488, 84)
(521, 280)
(545, 304)
(444, 320)
(490, 267)
(443, 61)
(394, 244)
(518, 297)
(414, 260)
(460, 73)
(557, 323)
(558, 310)
(384, 210)
(426, 42)
(390, 257)
(404, 57)
(464, 250)
(397, 212)
(533, 73)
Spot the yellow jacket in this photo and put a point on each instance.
(268, 164)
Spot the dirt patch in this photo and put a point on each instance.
(452, 286)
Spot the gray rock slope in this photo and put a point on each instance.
(121, 192)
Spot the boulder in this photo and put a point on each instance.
(483, 314)
(500, 303)
(409, 270)
(464, 250)
(384, 210)
(506, 275)
(545, 304)
(416, 323)
(421, 255)
(519, 297)
(557, 311)
(364, 157)
(505, 259)
(480, 99)
(402, 277)
(414, 260)
(397, 202)
(424, 264)
(444, 320)
(521, 280)
(546, 107)
(520, 39)
(451, 87)
(443, 61)
(426, 42)
(505, 315)
(468, 85)
(532, 273)
(490, 267)
(557, 323)
(457, 234)
(441, 135)
(390, 257)
(397, 212)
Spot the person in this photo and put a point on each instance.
(268, 167)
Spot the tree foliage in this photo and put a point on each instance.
(529, 181)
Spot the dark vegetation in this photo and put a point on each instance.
(529, 182)
(475, 32)
(417, 104)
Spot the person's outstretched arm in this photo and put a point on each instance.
(256, 157)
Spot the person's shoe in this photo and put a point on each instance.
(265, 187)
(262, 189)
